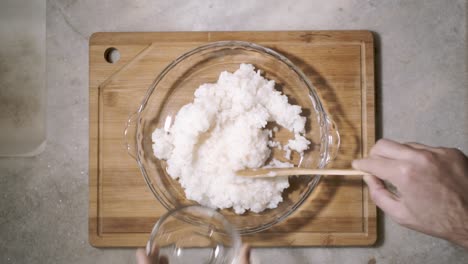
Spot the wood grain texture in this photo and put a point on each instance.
(286, 172)
(340, 64)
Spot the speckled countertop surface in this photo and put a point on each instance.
(422, 89)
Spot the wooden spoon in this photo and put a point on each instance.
(282, 172)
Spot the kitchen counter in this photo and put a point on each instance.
(421, 92)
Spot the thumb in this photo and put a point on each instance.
(244, 256)
(141, 257)
(383, 198)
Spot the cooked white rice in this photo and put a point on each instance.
(232, 115)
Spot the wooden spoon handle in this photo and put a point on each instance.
(277, 172)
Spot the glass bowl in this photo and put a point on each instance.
(177, 232)
(175, 86)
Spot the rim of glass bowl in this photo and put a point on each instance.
(230, 229)
(325, 125)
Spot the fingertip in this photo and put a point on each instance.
(245, 254)
(380, 195)
(141, 256)
(154, 251)
(367, 178)
(384, 141)
(355, 164)
(372, 182)
(139, 251)
(247, 249)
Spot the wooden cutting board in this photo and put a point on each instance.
(340, 64)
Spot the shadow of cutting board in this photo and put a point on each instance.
(340, 64)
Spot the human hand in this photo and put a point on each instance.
(432, 186)
(142, 258)
(153, 258)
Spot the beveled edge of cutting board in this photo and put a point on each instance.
(146, 38)
(367, 238)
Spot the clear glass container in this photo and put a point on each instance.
(175, 86)
(179, 233)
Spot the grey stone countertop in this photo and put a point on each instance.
(422, 97)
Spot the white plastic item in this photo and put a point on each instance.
(22, 77)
